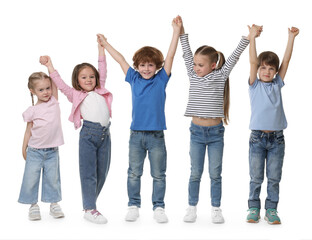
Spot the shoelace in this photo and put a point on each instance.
(253, 211)
(273, 212)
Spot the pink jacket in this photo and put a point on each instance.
(77, 96)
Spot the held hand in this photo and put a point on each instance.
(46, 61)
(293, 32)
(254, 31)
(177, 22)
(101, 40)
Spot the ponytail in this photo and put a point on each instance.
(226, 92)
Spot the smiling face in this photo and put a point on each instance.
(266, 72)
(87, 79)
(42, 89)
(203, 65)
(147, 69)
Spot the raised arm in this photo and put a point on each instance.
(114, 53)
(187, 52)
(177, 25)
(102, 66)
(254, 32)
(292, 33)
(56, 78)
(45, 60)
(27, 136)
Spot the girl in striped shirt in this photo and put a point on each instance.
(208, 105)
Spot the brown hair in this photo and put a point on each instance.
(217, 57)
(269, 58)
(31, 82)
(148, 54)
(78, 69)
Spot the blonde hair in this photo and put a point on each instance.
(31, 82)
(217, 57)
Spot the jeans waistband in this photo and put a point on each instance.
(96, 126)
(42, 149)
(269, 134)
(193, 125)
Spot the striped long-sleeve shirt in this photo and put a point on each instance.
(206, 93)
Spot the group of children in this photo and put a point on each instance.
(208, 105)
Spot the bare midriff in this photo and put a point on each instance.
(206, 122)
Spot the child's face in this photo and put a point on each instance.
(203, 65)
(266, 72)
(42, 89)
(87, 79)
(147, 69)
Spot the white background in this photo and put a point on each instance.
(66, 30)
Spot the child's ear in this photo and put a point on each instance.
(213, 66)
(32, 91)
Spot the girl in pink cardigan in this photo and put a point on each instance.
(92, 103)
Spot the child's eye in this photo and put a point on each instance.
(92, 76)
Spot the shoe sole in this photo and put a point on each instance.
(35, 219)
(89, 220)
(189, 221)
(57, 216)
(252, 221)
(272, 223)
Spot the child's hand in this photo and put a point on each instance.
(293, 32)
(254, 31)
(102, 40)
(178, 24)
(46, 61)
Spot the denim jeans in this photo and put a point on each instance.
(94, 161)
(265, 150)
(153, 143)
(212, 139)
(46, 159)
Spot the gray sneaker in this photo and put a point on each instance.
(56, 211)
(34, 213)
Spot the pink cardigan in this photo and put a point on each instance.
(77, 96)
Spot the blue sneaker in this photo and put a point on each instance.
(271, 217)
(254, 215)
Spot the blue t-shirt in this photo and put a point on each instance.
(267, 112)
(148, 100)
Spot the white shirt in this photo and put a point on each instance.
(94, 109)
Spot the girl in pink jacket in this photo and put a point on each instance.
(92, 103)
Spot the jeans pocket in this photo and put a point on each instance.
(254, 138)
(159, 134)
(280, 139)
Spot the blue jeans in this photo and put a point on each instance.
(140, 143)
(94, 161)
(46, 159)
(212, 139)
(265, 149)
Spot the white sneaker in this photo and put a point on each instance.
(160, 215)
(56, 211)
(34, 212)
(94, 216)
(216, 215)
(190, 215)
(132, 214)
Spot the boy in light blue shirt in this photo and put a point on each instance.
(266, 144)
